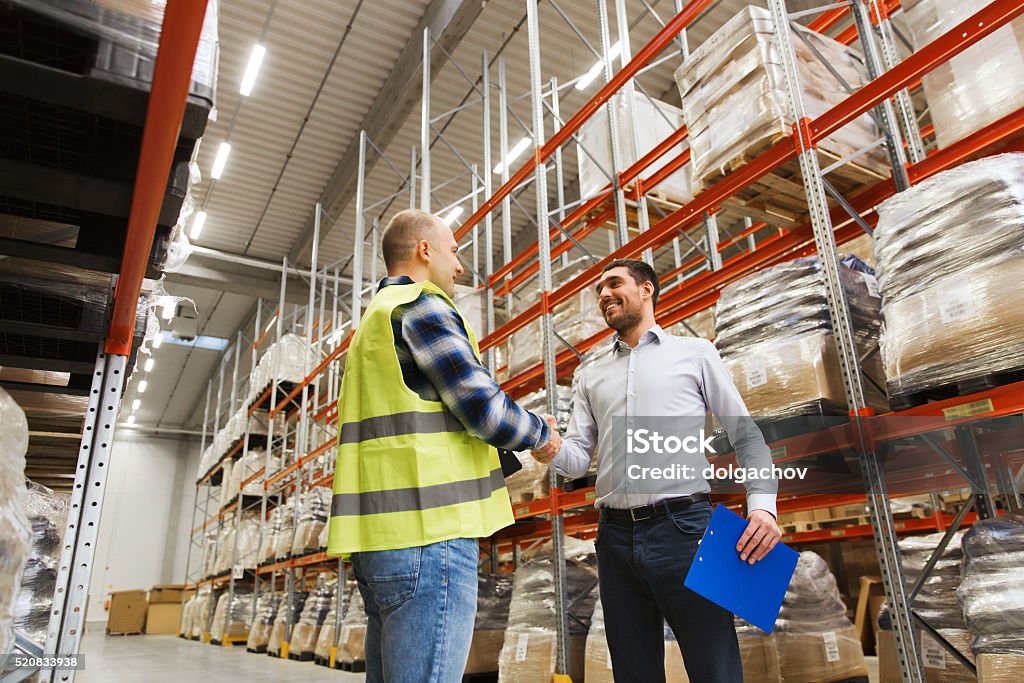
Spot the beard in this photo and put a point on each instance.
(623, 318)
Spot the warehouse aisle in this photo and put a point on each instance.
(168, 659)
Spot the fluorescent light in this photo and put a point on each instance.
(452, 215)
(197, 225)
(516, 150)
(222, 159)
(201, 342)
(168, 309)
(142, 386)
(131, 419)
(150, 362)
(157, 341)
(251, 71)
(135, 404)
(595, 70)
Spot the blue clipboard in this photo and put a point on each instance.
(751, 591)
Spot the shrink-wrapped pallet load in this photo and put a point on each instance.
(639, 132)
(287, 615)
(352, 640)
(950, 254)
(201, 613)
(528, 652)
(47, 516)
(314, 510)
(493, 596)
(735, 99)
(597, 666)
(314, 612)
(233, 616)
(976, 87)
(775, 337)
(15, 532)
(267, 606)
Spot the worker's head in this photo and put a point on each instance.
(627, 293)
(422, 246)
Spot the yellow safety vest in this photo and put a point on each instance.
(408, 473)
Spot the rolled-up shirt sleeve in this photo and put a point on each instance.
(725, 402)
(441, 349)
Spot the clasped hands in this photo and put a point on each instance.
(547, 452)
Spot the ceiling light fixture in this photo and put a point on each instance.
(197, 225)
(135, 404)
(157, 341)
(142, 386)
(131, 419)
(595, 71)
(222, 159)
(251, 71)
(516, 150)
(168, 308)
(452, 215)
(150, 362)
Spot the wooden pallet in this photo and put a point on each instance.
(779, 197)
(963, 387)
(123, 633)
(356, 667)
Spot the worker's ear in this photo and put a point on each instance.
(423, 251)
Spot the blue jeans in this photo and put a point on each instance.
(420, 609)
(642, 566)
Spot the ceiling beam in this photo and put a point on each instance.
(449, 21)
(241, 280)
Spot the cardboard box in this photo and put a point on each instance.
(528, 657)
(760, 660)
(163, 617)
(127, 612)
(166, 593)
(888, 664)
(870, 588)
(939, 666)
(675, 670)
(820, 657)
(1000, 668)
(484, 652)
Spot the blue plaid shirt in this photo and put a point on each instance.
(438, 363)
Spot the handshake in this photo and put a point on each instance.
(547, 452)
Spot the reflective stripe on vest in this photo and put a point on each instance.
(422, 498)
(399, 424)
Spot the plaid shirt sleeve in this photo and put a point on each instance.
(440, 347)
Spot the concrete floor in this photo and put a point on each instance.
(168, 659)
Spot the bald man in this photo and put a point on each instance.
(418, 480)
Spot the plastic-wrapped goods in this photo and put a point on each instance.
(188, 612)
(816, 642)
(936, 602)
(597, 666)
(735, 99)
(759, 654)
(15, 532)
(247, 541)
(226, 494)
(950, 319)
(314, 511)
(286, 360)
(283, 539)
(528, 653)
(983, 83)
(47, 515)
(576, 319)
(263, 622)
(992, 591)
(352, 641)
(996, 668)
(253, 462)
(273, 529)
(201, 612)
(232, 616)
(225, 545)
(314, 612)
(775, 336)
(208, 563)
(128, 35)
(700, 324)
(651, 123)
(287, 614)
(492, 603)
(328, 635)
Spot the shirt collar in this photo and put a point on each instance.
(396, 280)
(655, 334)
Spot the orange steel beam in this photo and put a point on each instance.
(179, 37)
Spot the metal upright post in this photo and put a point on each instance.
(67, 616)
(559, 178)
(506, 201)
(621, 217)
(412, 177)
(374, 249)
(562, 662)
(747, 224)
(711, 238)
(821, 223)
(360, 225)
(475, 189)
(886, 113)
(984, 501)
(424, 128)
(485, 71)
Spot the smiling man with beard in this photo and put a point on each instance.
(647, 537)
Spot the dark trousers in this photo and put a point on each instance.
(642, 566)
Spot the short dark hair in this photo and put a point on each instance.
(405, 230)
(641, 273)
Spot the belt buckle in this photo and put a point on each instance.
(633, 513)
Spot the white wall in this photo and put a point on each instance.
(147, 508)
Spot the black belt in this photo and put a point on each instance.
(659, 509)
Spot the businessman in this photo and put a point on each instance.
(649, 531)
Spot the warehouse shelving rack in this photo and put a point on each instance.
(692, 284)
